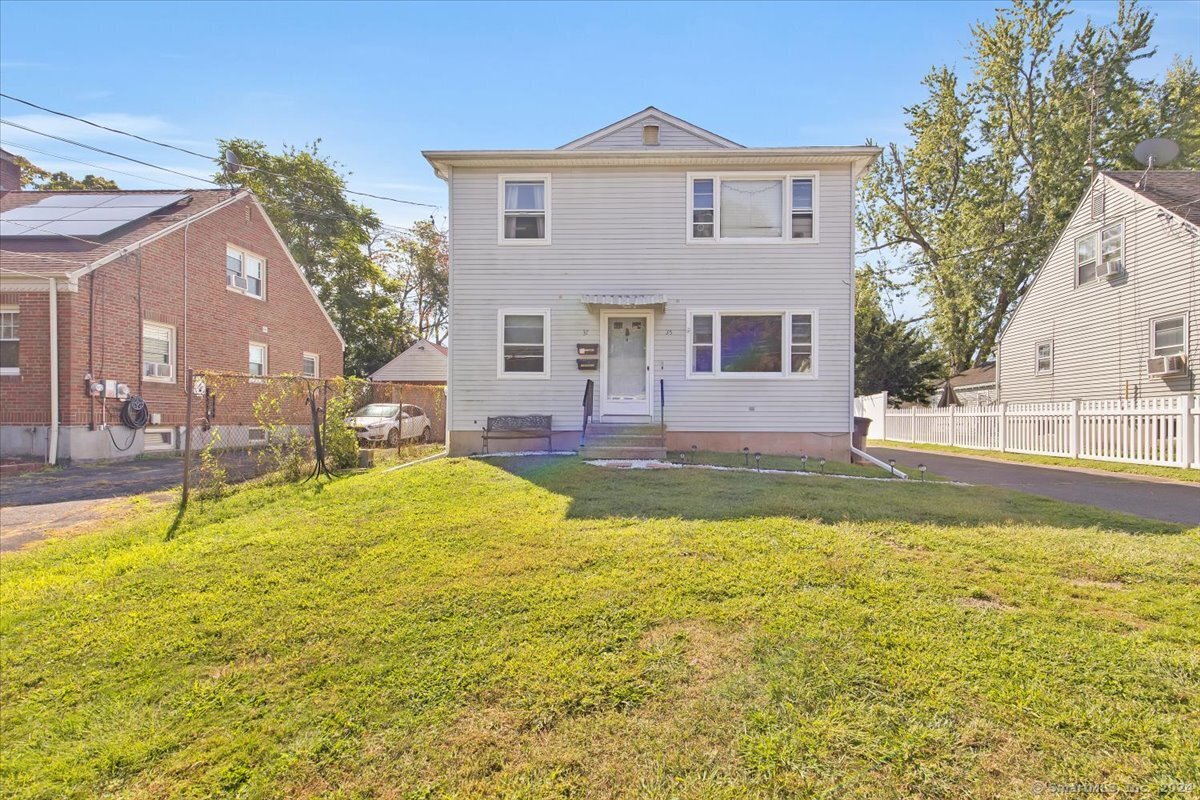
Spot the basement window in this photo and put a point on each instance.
(10, 340)
(159, 439)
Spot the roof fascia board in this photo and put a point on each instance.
(646, 113)
(140, 243)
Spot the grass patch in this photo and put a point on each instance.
(538, 627)
(1174, 473)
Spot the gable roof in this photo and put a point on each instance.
(975, 376)
(72, 257)
(658, 115)
(1176, 190)
(417, 371)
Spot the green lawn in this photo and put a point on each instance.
(538, 627)
(1174, 473)
(788, 463)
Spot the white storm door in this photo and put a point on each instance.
(626, 388)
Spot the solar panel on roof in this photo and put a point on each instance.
(82, 214)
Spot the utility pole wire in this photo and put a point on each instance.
(205, 156)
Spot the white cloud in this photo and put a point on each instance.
(61, 126)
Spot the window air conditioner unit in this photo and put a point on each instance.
(1166, 365)
(1107, 269)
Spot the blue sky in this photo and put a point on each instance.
(377, 82)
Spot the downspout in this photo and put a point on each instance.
(52, 449)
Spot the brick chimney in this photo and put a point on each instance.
(10, 173)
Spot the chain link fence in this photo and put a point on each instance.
(294, 428)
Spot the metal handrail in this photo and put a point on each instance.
(587, 409)
(662, 406)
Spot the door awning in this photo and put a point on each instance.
(631, 300)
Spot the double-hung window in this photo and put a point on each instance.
(524, 340)
(258, 359)
(1043, 358)
(1168, 336)
(310, 365)
(741, 207)
(752, 343)
(245, 272)
(524, 208)
(10, 340)
(1100, 253)
(158, 352)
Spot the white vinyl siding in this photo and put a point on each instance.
(1101, 328)
(421, 362)
(158, 352)
(625, 229)
(670, 137)
(10, 340)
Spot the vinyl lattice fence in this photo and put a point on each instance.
(1159, 431)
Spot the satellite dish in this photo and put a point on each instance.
(233, 164)
(1156, 152)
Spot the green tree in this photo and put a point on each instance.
(418, 263)
(890, 355)
(328, 235)
(35, 178)
(995, 167)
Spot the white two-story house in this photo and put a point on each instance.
(703, 286)
(1114, 311)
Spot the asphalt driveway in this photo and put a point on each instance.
(1170, 502)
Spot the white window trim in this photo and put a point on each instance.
(172, 439)
(1186, 332)
(786, 233)
(13, 371)
(266, 363)
(174, 367)
(316, 364)
(544, 313)
(521, 177)
(1094, 235)
(786, 344)
(1036, 357)
(244, 253)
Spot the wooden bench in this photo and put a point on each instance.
(530, 426)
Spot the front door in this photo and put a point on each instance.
(626, 387)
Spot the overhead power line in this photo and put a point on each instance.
(295, 207)
(205, 156)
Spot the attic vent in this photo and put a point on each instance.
(1098, 203)
(650, 134)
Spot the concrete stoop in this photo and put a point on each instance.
(623, 440)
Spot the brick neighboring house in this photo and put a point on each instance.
(140, 306)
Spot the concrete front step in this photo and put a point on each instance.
(623, 429)
(590, 451)
(623, 440)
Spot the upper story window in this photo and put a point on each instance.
(310, 365)
(245, 272)
(524, 340)
(1044, 358)
(1168, 336)
(10, 340)
(158, 352)
(524, 208)
(753, 343)
(753, 208)
(1100, 253)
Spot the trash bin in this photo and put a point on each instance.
(859, 439)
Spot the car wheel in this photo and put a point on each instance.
(393, 438)
(426, 435)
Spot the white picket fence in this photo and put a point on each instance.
(1162, 430)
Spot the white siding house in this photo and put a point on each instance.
(702, 285)
(1114, 312)
(424, 362)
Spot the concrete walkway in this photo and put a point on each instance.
(1171, 502)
